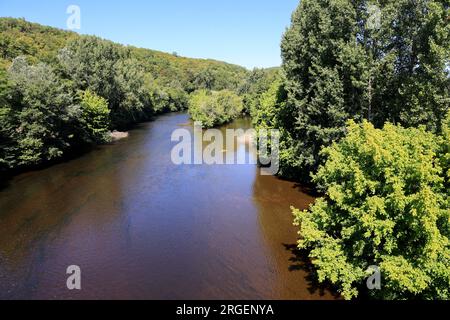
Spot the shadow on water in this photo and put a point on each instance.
(300, 261)
(274, 198)
(70, 155)
(37, 208)
(4, 180)
(308, 189)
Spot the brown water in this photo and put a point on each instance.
(141, 227)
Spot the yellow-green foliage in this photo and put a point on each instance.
(214, 108)
(95, 115)
(385, 204)
(446, 147)
(36, 42)
(191, 74)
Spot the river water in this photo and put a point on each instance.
(140, 227)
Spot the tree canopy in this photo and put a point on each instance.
(342, 63)
(386, 204)
(214, 108)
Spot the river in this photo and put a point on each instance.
(140, 227)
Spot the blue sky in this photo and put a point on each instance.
(246, 32)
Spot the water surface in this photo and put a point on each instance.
(141, 227)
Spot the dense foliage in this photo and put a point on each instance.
(342, 62)
(445, 152)
(386, 191)
(60, 91)
(94, 117)
(255, 84)
(39, 116)
(387, 205)
(5, 120)
(42, 44)
(213, 108)
(109, 71)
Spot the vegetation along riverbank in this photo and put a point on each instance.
(362, 106)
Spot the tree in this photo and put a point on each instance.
(94, 117)
(40, 113)
(178, 99)
(90, 63)
(109, 71)
(385, 204)
(421, 47)
(214, 108)
(311, 51)
(133, 97)
(59, 85)
(205, 79)
(254, 85)
(5, 123)
(445, 151)
(341, 65)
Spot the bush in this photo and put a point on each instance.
(385, 204)
(214, 108)
(95, 116)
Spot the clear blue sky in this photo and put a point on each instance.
(245, 32)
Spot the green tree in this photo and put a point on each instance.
(94, 116)
(41, 113)
(311, 51)
(6, 143)
(41, 116)
(385, 204)
(214, 108)
(341, 63)
(254, 85)
(178, 98)
(133, 97)
(109, 71)
(445, 153)
(205, 79)
(90, 63)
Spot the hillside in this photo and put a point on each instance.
(42, 43)
(60, 91)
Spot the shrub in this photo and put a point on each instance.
(214, 108)
(385, 204)
(95, 116)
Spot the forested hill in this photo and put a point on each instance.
(42, 44)
(60, 91)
